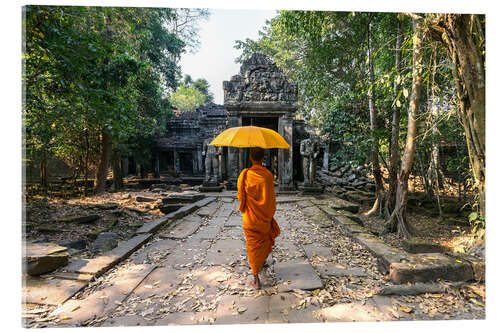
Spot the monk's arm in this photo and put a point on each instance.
(271, 196)
(239, 185)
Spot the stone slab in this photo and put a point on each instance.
(310, 189)
(156, 249)
(281, 311)
(234, 309)
(234, 221)
(224, 211)
(184, 228)
(296, 274)
(211, 188)
(225, 251)
(386, 255)
(127, 321)
(352, 229)
(233, 232)
(285, 200)
(145, 199)
(49, 291)
(339, 204)
(478, 265)
(208, 210)
(208, 232)
(106, 300)
(430, 267)
(227, 199)
(71, 276)
(182, 198)
(218, 221)
(187, 254)
(41, 264)
(205, 201)
(352, 312)
(169, 208)
(152, 226)
(315, 251)
(330, 269)
(99, 265)
(186, 318)
(161, 281)
(42, 249)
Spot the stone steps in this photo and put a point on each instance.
(173, 216)
(101, 264)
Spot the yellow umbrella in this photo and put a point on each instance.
(250, 136)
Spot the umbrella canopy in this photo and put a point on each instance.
(250, 136)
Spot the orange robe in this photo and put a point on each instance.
(258, 205)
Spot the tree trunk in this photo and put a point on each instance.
(398, 216)
(102, 171)
(390, 200)
(379, 185)
(463, 37)
(433, 170)
(117, 170)
(43, 172)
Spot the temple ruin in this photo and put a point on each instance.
(259, 95)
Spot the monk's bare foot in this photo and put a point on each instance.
(256, 282)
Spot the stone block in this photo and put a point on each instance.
(352, 312)
(430, 267)
(416, 245)
(152, 226)
(234, 309)
(182, 198)
(296, 274)
(105, 241)
(144, 199)
(101, 264)
(169, 208)
(40, 258)
(49, 291)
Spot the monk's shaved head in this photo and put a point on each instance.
(257, 154)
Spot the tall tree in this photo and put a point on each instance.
(398, 217)
(377, 175)
(394, 157)
(464, 39)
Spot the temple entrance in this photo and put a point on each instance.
(166, 161)
(186, 162)
(271, 160)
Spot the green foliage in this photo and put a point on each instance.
(94, 69)
(187, 98)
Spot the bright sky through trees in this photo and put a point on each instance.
(214, 60)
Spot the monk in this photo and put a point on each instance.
(257, 205)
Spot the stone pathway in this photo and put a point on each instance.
(197, 272)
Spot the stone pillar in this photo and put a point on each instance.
(157, 164)
(194, 161)
(285, 156)
(233, 156)
(223, 164)
(199, 158)
(177, 163)
(326, 156)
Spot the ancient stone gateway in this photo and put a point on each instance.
(262, 96)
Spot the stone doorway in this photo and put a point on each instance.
(166, 161)
(271, 160)
(186, 162)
